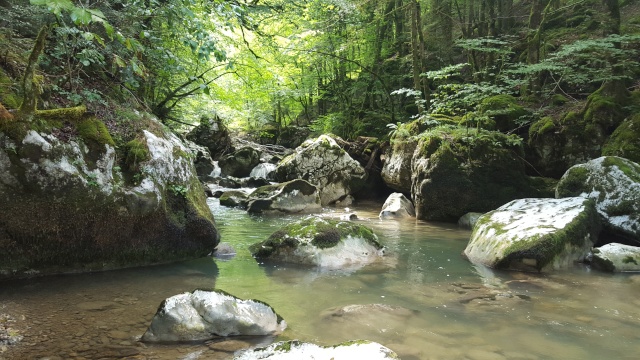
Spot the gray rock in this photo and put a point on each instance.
(234, 198)
(230, 182)
(360, 349)
(240, 163)
(321, 242)
(468, 220)
(349, 217)
(203, 315)
(534, 234)
(325, 164)
(396, 170)
(616, 257)
(224, 251)
(213, 135)
(290, 197)
(614, 184)
(254, 182)
(397, 206)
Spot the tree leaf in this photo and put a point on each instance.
(81, 16)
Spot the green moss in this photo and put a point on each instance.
(629, 260)
(503, 109)
(71, 114)
(630, 169)
(625, 140)
(542, 126)
(573, 182)
(558, 100)
(546, 247)
(136, 152)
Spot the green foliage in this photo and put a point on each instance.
(178, 190)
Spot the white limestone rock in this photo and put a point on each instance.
(534, 234)
(296, 196)
(297, 350)
(202, 315)
(325, 164)
(616, 257)
(397, 206)
(396, 169)
(319, 242)
(614, 183)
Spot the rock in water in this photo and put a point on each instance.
(320, 242)
(290, 197)
(468, 220)
(397, 206)
(534, 234)
(614, 184)
(616, 257)
(240, 163)
(297, 350)
(325, 164)
(202, 315)
(264, 170)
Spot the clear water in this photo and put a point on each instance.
(439, 305)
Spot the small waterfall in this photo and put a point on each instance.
(217, 171)
(264, 170)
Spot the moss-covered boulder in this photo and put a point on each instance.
(457, 170)
(214, 135)
(70, 206)
(292, 136)
(320, 242)
(323, 163)
(625, 140)
(293, 196)
(614, 184)
(616, 257)
(207, 314)
(234, 198)
(503, 110)
(294, 349)
(535, 234)
(240, 163)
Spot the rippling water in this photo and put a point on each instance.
(430, 302)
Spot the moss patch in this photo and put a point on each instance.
(136, 152)
(572, 182)
(625, 140)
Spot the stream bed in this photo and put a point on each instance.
(423, 300)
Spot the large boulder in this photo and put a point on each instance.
(296, 350)
(320, 242)
(625, 140)
(202, 315)
(396, 169)
(614, 184)
(616, 257)
(206, 168)
(214, 135)
(290, 197)
(234, 198)
(71, 206)
(535, 234)
(397, 206)
(240, 163)
(325, 164)
(455, 171)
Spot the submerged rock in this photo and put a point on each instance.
(616, 257)
(534, 234)
(290, 197)
(320, 242)
(397, 206)
(69, 206)
(296, 350)
(614, 184)
(325, 164)
(202, 315)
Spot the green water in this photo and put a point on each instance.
(439, 305)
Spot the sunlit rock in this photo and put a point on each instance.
(468, 220)
(289, 197)
(264, 170)
(396, 169)
(296, 350)
(320, 242)
(239, 163)
(614, 184)
(325, 164)
(203, 315)
(397, 206)
(535, 234)
(616, 257)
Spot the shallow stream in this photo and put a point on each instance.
(431, 302)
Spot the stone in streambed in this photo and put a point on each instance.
(616, 257)
(397, 206)
(295, 350)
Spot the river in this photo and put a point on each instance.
(431, 303)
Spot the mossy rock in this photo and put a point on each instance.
(625, 140)
(94, 134)
(542, 126)
(319, 242)
(504, 110)
(136, 152)
(234, 198)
